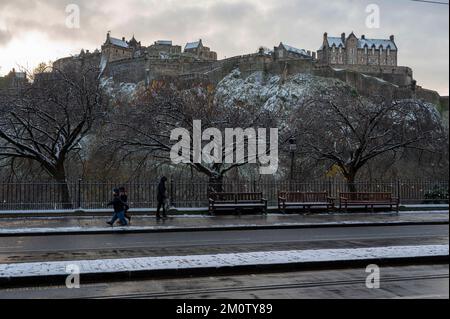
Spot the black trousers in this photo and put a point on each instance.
(161, 204)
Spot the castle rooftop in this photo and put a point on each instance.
(192, 45)
(294, 50)
(362, 43)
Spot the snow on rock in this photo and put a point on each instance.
(273, 92)
(121, 91)
(219, 260)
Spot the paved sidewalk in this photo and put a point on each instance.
(58, 225)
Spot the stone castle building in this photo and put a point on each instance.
(284, 51)
(353, 51)
(198, 50)
(369, 65)
(119, 49)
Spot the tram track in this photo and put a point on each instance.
(302, 285)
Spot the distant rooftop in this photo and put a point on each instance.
(192, 45)
(362, 43)
(119, 43)
(164, 42)
(294, 50)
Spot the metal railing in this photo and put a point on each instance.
(194, 193)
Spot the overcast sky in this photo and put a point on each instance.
(32, 31)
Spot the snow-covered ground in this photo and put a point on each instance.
(219, 260)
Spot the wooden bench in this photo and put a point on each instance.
(236, 202)
(368, 199)
(304, 200)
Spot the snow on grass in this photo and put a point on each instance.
(220, 260)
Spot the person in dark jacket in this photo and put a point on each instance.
(124, 198)
(161, 198)
(119, 209)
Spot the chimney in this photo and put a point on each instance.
(308, 52)
(123, 39)
(314, 55)
(325, 37)
(363, 37)
(392, 38)
(343, 37)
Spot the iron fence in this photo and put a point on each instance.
(194, 193)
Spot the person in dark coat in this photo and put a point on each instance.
(119, 209)
(124, 198)
(161, 198)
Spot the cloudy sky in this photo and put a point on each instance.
(33, 31)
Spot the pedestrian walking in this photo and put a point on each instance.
(162, 198)
(124, 198)
(119, 209)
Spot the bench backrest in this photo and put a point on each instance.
(223, 197)
(367, 196)
(249, 197)
(304, 196)
(236, 197)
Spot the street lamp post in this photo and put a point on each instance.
(292, 150)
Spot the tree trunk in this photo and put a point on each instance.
(351, 179)
(215, 184)
(63, 188)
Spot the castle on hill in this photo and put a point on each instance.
(370, 65)
(131, 61)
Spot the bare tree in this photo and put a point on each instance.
(48, 121)
(349, 131)
(144, 126)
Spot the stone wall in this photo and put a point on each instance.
(399, 75)
(444, 109)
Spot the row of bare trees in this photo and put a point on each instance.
(55, 121)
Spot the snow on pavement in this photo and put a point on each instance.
(219, 260)
(79, 229)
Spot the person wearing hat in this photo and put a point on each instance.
(119, 209)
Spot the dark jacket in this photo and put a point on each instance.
(124, 198)
(162, 190)
(118, 204)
